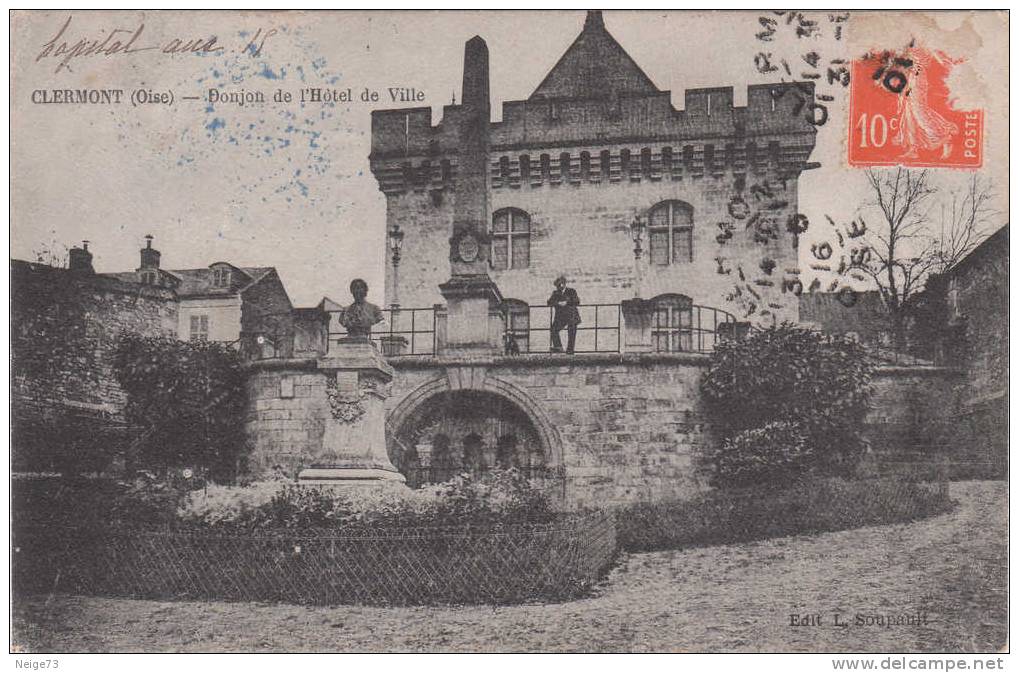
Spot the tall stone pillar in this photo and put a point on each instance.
(473, 322)
(638, 318)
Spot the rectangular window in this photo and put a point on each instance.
(199, 328)
(511, 240)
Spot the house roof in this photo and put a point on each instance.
(998, 239)
(328, 304)
(198, 282)
(595, 66)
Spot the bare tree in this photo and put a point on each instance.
(966, 220)
(52, 254)
(907, 246)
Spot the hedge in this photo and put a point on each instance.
(729, 516)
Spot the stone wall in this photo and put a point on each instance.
(64, 327)
(978, 298)
(631, 427)
(286, 414)
(622, 428)
(625, 428)
(583, 230)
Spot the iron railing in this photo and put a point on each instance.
(683, 328)
(598, 332)
(690, 328)
(676, 328)
(403, 331)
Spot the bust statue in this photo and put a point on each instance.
(359, 317)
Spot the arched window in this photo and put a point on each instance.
(585, 165)
(546, 166)
(504, 168)
(474, 455)
(518, 326)
(511, 239)
(672, 326)
(624, 163)
(670, 233)
(221, 276)
(605, 164)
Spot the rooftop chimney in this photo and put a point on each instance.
(80, 259)
(150, 256)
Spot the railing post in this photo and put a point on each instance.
(637, 325)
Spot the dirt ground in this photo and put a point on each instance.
(949, 572)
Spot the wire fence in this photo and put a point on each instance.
(509, 564)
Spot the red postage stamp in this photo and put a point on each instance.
(901, 113)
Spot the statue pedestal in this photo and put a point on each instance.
(353, 448)
(473, 322)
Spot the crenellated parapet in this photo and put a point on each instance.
(607, 140)
(655, 163)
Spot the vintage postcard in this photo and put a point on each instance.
(510, 331)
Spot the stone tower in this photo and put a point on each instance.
(568, 170)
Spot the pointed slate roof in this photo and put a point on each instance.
(595, 66)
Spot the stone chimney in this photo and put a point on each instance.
(150, 256)
(80, 259)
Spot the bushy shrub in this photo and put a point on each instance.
(499, 497)
(93, 504)
(790, 375)
(222, 505)
(188, 396)
(808, 506)
(774, 453)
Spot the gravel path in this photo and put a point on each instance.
(951, 569)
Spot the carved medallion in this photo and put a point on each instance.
(345, 407)
(468, 248)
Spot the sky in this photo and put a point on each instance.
(288, 185)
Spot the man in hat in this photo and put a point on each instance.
(565, 301)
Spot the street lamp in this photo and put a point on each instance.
(395, 244)
(637, 234)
